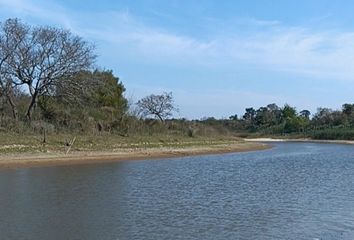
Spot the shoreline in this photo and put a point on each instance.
(304, 140)
(25, 160)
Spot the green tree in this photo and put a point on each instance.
(109, 92)
(305, 114)
(348, 109)
(323, 117)
(294, 124)
(249, 114)
(348, 112)
(288, 112)
(276, 113)
(263, 116)
(101, 98)
(233, 117)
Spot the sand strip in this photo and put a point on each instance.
(55, 159)
(269, 140)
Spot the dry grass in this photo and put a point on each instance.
(28, 150)
(58, 143)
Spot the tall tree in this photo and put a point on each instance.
(43, 56)
(288, 112)
(249, 115)
(323, 116)
(276, 113)
(11, 35)
(101, 97)
(263, 116)
(348, 109)
(109, 92)
(348, 112)
(305, 114)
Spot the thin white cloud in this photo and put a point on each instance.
(45, 12)
(269, 45)
(321, 54)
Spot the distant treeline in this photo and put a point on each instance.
(286, 121)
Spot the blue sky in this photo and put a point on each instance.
(217, 57)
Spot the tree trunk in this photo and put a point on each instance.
(30, 107)
(13, 107)
(44, 135)
(10, 98)
(161, 119)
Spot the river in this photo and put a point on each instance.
(292, 191)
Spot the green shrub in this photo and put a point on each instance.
(334, 134)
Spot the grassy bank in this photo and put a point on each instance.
(59, 143)
(29, 150)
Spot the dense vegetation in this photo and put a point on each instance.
(273, 120)
(49, 84)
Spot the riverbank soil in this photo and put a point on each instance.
(30, 151)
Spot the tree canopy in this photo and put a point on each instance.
(38, 58)
(160, 106)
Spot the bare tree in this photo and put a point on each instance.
(11, 35)
(159, 106)
(43, 57)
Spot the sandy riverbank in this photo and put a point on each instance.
(269, 140)
(86, 157)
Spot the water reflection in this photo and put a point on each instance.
(293, 191)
